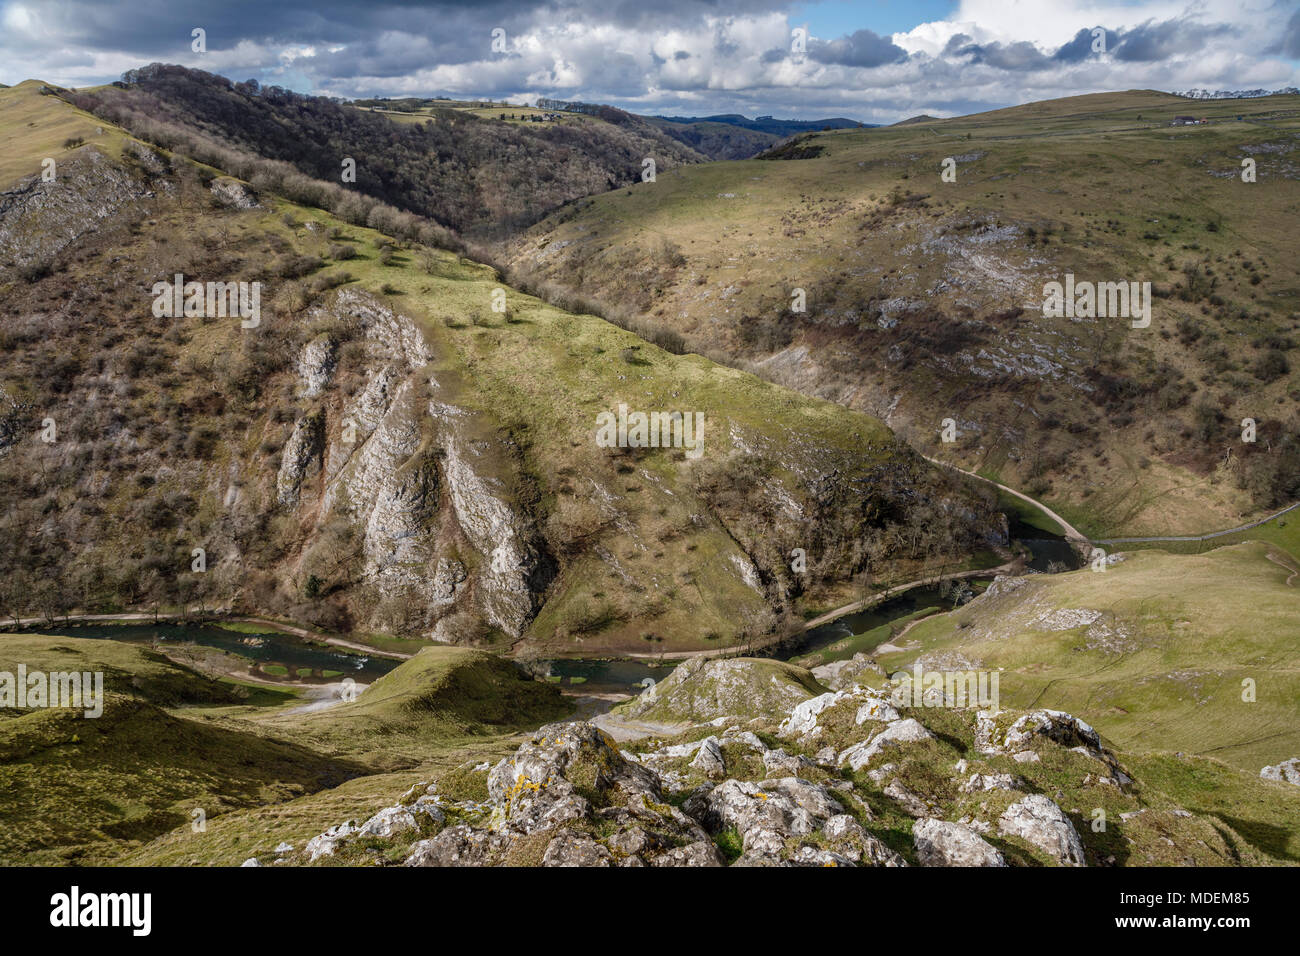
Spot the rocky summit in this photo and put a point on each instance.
(838, 778)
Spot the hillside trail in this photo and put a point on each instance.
(1278, 558)
(1071, 532)
(1074, 535)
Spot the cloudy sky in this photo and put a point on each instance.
(871, 60)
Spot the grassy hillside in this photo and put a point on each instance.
(34, 131)
(924, 297)
(77, 785)
(1154, 650)
(170, 741)
(440, 696)
(465, 169)
(643, 548)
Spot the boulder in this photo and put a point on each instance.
(899, 732)
(765, 814)
(1037, 820)
(979, 782)
(803, 718)
(1288, 771)
(537, 788)
(709, 759)
(849, 839)
(950, 844)
(461, 845)
(387, 822)
(571, 848)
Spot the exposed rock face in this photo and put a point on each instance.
(443, 544)
(300, 456)
(765, 814)
(951, 844)
(316, 364)
(533, 788)
(1288, 771)
(516, 570)
(39, 219)
(233, 193)
(1039, 821)
(563, 784)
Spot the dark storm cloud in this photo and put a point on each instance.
(1080, 48)
(1004, 56)
(1154, 41)
(1289, 44)
(157, 27)
(859, 48)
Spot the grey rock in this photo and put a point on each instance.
(950, 844)
(571, 848)
(899, 732)
(1288, 771)
(1039, 821)
(460, 845)
(387, 822)
(709, 760)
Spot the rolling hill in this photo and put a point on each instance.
(400, 444)
(854, 272)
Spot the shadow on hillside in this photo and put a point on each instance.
(1265, 837)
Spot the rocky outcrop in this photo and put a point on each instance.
(39, 219)
(571, 796)
(900, 732)
(950, 844)
(1037, 820)
(316, 364)
(701, 690)
(1288, 771)
(233, 193)
(517, 570)
(443, 543)
(300, 457)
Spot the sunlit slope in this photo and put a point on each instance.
(1162, 652)
(496, 411)
(35, 126)
(924, 297)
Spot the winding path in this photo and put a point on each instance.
(1073, 534)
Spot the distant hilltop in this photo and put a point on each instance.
(1236, 94)
(769, 124)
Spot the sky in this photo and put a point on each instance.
(876, 61)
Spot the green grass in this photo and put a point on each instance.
(1185, 632)
(33, 131)
(100, 790)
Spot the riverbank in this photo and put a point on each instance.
(28, 623)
